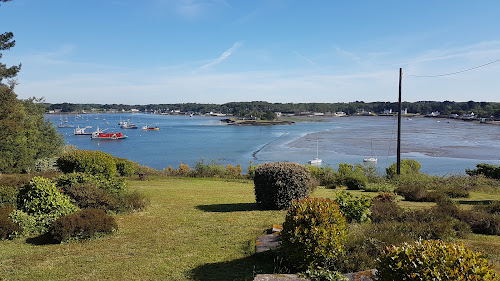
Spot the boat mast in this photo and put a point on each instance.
(398, 167)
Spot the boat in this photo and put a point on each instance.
(121, 121)
(150, 128)
(127, 125)
(316, 160)
(107, 136)
(370, 160)
(65, 126)
(81, 131)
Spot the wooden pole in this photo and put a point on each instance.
(398, 169)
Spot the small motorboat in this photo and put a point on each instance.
(127, 125)
(370, 160)
(150, 128)
(81, 131)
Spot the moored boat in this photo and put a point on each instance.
(107, 136)
(370, 160)
(127, 125)
(150, 128)
(81, 131)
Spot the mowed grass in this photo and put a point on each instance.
(194, 229)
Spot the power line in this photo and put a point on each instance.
(453, 73)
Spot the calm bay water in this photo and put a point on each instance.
(442, 146)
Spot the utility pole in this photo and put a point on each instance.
(398, 169)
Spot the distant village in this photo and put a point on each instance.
(471, 116)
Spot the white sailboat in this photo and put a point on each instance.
(370, 159)
(316, 160)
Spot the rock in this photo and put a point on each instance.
(278, 277)
(366, 275)
(267, 242)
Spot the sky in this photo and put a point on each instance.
(218, 51)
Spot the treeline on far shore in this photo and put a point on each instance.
(259, 108)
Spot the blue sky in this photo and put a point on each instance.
(216, 51)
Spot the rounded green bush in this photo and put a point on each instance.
(408, 167)
(86, 161)
(313, 233)
(41, 196)
(433, 260)
(82, 225)
(277, 184)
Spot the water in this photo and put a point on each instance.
(442, 146)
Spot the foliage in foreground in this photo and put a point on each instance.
(277, 184)
(89, 162)
(84, 224)
(40, 203)
(433, 260)
(321, 274)
(313, 233)
(7, 227)
(354, 208)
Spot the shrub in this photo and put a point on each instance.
(432, 260)
(326, 176)
(15, 180)
(116, 185)
(125, 167)
(492, 208)
(378, 187)
(277, 184)
(32, 224)
(86, 161)
(322, 274)
(7, 227)
(488, 170)
(90, 196)
(455, 192)
(351, 178)
(40, 196)
(419, 193)
(385, 197)
(313, 233)
(251, 170)
(84, 224)
(480, 222)
(385, 211)
(408, 167)
(355, 181)
(354, 208)
(8, 195)
(135, 201)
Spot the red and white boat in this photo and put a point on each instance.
(107, 136)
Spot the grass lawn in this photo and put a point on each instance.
(194, 229)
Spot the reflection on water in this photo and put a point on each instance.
(442, 146)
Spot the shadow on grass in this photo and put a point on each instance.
(44, 239)
(477, 202)
(239, 270)
(225, 208)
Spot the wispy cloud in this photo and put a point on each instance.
(348, 55)
(222, 57)
(304, 58)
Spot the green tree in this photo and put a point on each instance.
(26, 136)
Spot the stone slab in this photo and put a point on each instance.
(278, 277)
